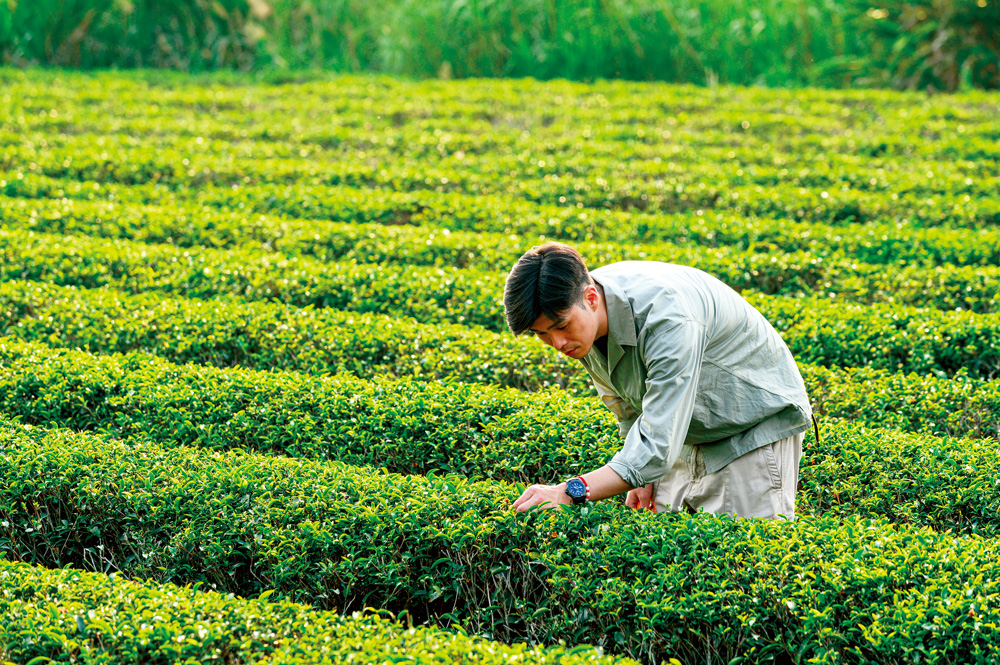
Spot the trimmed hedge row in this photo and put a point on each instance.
(414, 427)
(222, 217)
(429, 294)
(262, 335)
(373, 226)
(871, 241)
(652, 148)
(404, 425)
(774, 139)
(67, 615)
(957, 406)
(468, 163)
(269, 336)
(443, 548)
(458, 295)
(644, 188)
(866, 471)
(883, 336)
(907, 124)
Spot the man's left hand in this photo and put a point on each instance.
(543, 496)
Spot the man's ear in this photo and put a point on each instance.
(590, 297)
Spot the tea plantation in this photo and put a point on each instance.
(257, 401)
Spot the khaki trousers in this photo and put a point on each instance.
(761, 483)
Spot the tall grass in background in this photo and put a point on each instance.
(189, 35)
(931, 44)
(771, 42)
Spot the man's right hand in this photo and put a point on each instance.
(641, 498)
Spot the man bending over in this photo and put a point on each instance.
(708, 399)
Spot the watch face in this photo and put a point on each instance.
(575, 488)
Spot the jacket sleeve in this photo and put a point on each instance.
(672, 350)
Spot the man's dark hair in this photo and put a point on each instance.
(546, 280)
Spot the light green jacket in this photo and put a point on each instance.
(690, 362)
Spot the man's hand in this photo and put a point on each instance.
(543, 496)
(641, 498)
(603, 483)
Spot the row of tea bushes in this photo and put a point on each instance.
(475, 167)
(262, 335)
(376, 545)
(225, 217)
(762, 139)
(377, 243)
(323, 110)
(962, 405)
(653, 192)
(465, 295)
(448, 549)
(866, 162)
(901, 339)
(858, 470)
(269, 336)
(771, 140)
(871, 242)
(404, 425)
(959, 406)
(68, 615)
(447, 294)
(413, 427)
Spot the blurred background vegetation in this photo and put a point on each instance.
(935, 45)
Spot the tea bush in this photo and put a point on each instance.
(317, 225)
(834, 203)
(226, 332)
(428, 245)
(813, 155)
(62, 615)
(318, 399)
(445, 549)
(415, 427)
(457, 295)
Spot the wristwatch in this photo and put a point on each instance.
(578, 490)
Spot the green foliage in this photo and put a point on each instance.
(935, 45)
(330, 222)
(461, 296)
(455, 295)
(759, 43)
(885, 336)
(192, 35)
(460, 230)
(62, 615)
(336, 249)
(406, 425)
(837, 43)
(909, 479)
(411, 426)
(898, 160)
(640, 584)
(229, 332)
(831, 199)
(268, 336)
(951, 407)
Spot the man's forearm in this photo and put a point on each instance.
(604, 483)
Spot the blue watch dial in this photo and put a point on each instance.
(577, 490)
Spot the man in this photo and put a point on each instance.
(708, 399)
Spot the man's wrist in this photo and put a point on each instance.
(577, 489)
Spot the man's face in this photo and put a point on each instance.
(575, 330)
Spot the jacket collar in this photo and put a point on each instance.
(621, 320)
